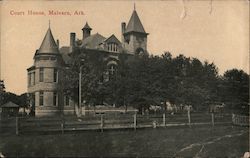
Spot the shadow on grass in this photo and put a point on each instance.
(164, 142)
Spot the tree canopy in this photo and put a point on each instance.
(144, 80)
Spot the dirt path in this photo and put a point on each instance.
(207, 142)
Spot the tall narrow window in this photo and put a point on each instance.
(66, 100)
(41, 74)
(112, 47)
(55, 98)
(29, 79)
(55, 75)
(112, 71)
(41, 98)
(33, 78)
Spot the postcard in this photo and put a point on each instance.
(120, 78)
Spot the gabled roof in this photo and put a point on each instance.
(112, 38)
(48, 45)
(134, 24)
(87, 26)
(9, 105)
(93, 41)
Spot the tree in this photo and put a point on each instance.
(144, 80)
(8, 96)
(2, 91)
(23, 100)
(235, 88)
(92, 67)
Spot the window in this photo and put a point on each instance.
(66, 100)
(55, 98)
(33, 78)
(29, 79)
(139, 51)
(111, 71)
(112, 47)
(41, 98)
(41, 74)
(31, 99)
(55, 75)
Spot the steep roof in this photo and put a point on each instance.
(48, 45)
(134, 24)
(112, 38)
(93, 41)
(87, 26)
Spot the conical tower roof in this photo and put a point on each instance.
(134, 24)
(87, 26)
(48, 45)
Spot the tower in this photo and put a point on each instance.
(134, 37)
(86, 31)
(44, 83)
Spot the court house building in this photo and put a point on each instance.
(45, 87)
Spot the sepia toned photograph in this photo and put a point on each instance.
(124, 78)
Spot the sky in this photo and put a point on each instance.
(216, 31)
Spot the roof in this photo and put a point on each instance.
(9, 105)
(93, 41)
(65, 54)
(87, 26)
(31, 68)
(48, 45)
(112, 38)
(134, 24)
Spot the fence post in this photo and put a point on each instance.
(164, 119)
(62, 126)
(102, 122)
(17, 126)
(135, 121)
(189, 118)
(233, 118)
(212, 115)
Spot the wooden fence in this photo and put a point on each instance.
(108, 122)
(240, 120)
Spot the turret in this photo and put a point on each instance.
(86, 31)
(135, 36)
(44, 78)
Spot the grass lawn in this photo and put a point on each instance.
(220, 141)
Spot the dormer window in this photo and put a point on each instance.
(112, 47)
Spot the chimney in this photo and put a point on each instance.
(123, 31)
(57, 42)
(72, 41)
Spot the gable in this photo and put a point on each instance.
(112, 39)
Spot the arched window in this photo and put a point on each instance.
(139, 51)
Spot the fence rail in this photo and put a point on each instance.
(106, 122)
(240, 120)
